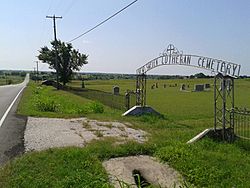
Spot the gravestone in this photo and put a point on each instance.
(116, 90)
(127, 100)
(183, 87)
(207, 86)
(199, 87)
(83, 85)
(156, 85)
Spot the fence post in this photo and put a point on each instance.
(127, 100)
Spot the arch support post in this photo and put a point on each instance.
(140, 92)
(224, 106)
(141, 81)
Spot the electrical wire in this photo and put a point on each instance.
(103, 21)
(58, 6)
(45, 32)
(68, 8)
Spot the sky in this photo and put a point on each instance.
(212, 28)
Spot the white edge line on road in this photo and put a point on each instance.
(8, 110)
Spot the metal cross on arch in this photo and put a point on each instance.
(225, 72)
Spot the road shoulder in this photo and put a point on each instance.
(12, 135)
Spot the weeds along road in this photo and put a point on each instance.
(11, 125)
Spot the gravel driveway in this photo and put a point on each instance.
(45, 133)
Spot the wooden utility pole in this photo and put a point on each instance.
(54, 23)
(36, 70)
(35, 73)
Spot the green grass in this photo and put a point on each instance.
(71, 167)
(171, 101)
(66, 167)
(206, 163)
(11, 80)
(44, 101)
(221, 164)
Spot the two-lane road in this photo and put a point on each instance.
(11, 125)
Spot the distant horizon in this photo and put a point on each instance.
(82, 72)
(216, 29)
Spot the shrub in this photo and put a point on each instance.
(96, 107)
(47, 105)
(93, 107)
(82, 110)
(37, 91)
(9, 82)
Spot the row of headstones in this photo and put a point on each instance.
(116, 89)
(155, 85)
(201, 87)
(197, 87)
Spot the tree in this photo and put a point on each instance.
(200, 75)
(69, 59)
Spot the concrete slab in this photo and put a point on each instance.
(156, 173)
(140, 110)
(200, 136)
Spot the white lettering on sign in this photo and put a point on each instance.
(224, 67)
(219, 66)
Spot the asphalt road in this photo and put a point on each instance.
(12, 126)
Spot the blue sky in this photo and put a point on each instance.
(213, 28)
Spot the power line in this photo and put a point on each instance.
(103, 21)
(50, 5)
(43, 24)
(58, 5)
(68, 8)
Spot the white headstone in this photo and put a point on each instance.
(116, 90)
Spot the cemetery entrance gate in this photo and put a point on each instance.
(225, 72)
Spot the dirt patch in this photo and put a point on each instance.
(44, 133)
(157, 174)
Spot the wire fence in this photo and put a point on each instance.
(130, 99)
(106, 98)
(242, 124)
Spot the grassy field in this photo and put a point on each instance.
(206, 163)
(171, 101)
(11, 80)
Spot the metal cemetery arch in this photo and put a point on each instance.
(225, 73)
